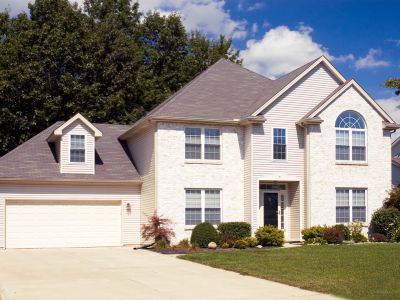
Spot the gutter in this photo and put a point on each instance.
(76, 182)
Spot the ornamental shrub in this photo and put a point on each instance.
(241, 244)
(395, 233)
(384, 220)
(238, 230)
(203, 234)
(227, 238)
(344, 230)
(378, 238)
(333, 236)
(316, 241)
(270, 236)
(356, 233)
(314, 232)
(252, 241)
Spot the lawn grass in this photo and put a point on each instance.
(361, 271)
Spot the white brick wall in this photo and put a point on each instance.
(326, 174)
(174, 175)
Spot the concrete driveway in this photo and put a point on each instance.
(121, 273)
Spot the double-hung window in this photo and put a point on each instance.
(350, 137)
(202, 143)
(350, 205)
(279, 146)
(77, 148)
(203, 205)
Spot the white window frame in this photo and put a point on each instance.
(351, 204)
(203, 204)
(286, 143)
(350, 133)
(203, 145)
(69, 149)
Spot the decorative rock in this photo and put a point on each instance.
(259, 246)
(212, 245)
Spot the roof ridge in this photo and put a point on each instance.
(32, 139)
(247, 69)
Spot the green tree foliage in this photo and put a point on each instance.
(109, 62)
(393, 83)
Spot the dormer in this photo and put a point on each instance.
(75, 142)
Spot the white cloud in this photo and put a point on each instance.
(255, 6)
(392, 107)
(370, 60)
(254, 28)
(208, 16)
(281, 50)
(343, 58)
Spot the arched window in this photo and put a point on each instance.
(350, 136)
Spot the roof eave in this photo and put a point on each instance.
(62, 181)
(390, 126)
(309, 121)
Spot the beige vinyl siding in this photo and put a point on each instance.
(284, 113)
(247, 174)
(142, 147)
(130, 230)
(2, 222)
(88, 167)
(294, 219)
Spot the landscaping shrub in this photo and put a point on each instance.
(356, 233)
(203, 234)
(395, 233)
(238, 230)
(225, 245)
(316, 241)
(344, 230)
(252, 241)
(384, 219)
(227, 238)
(313, 232)
(183, 244)
(378, 238)
(333, 236)
(161, 244)
(270, 236)
(393, 199)
(241, 244)
(157, 229)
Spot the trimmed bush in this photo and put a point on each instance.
(203, 234)
(384, 219)
(333, 236)
(270, 236)
(344, 230)
(378, 238)
(316, 241)
(314, 232)
(241, 244)
(252, 241)
(237, 230)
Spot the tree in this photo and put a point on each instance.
(393, 83)
(108, 62)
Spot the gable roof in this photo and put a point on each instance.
(36, 160)
(227, 92)
(58, 131)
(340, 90)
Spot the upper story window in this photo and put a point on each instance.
(350, 137)
(279, 147)
(203, 143)
(77, 148)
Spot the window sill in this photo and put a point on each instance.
(351, 163)
(203, 162)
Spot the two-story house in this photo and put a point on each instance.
(308, 148)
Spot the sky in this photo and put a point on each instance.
(360, 37)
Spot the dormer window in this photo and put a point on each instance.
(77, 148)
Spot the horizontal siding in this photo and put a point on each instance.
(142, 147)
(284, 113)
(130, 220)
(77, 168)
(2, 223)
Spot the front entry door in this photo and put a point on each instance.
(271, 209)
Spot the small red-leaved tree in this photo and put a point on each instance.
(158, 229)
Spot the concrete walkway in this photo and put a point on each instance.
(121, 273)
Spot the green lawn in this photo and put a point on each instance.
(362, 271)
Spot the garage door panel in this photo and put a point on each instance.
(41, 224)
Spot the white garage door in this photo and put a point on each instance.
(45, 224)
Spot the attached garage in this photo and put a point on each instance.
(44, 224)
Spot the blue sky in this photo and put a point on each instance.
(361, 38)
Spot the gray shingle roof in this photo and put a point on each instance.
(35, 158)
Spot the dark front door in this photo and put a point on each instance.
(271, 209)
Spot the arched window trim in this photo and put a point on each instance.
(350, 137)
